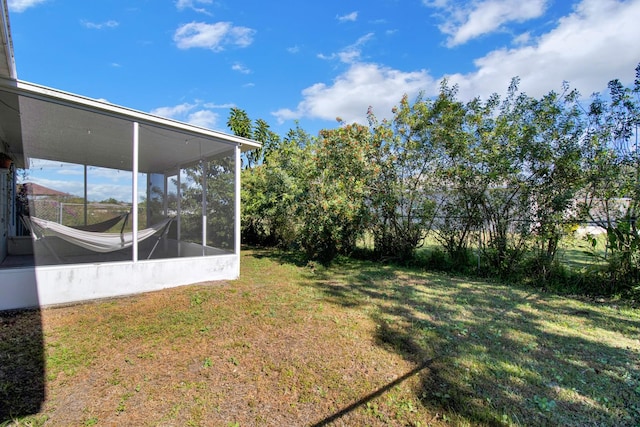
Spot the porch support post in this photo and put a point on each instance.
(205, 167)
(134, 190)
(165, 196)
(179, 207)
(238, 171)
(85, 194)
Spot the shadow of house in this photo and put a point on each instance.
(22, 375)
(22, 370)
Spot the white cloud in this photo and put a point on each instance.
(293, 49)
(240, 68)
(212, 36)
(99, 25)
(103, 183)
(522, 39)
(112, 175)
(436, 3)
(22, 5)
(351, 53)
(594, 44)
(173, 112)
(472, 20)
(198, 113)
(350, 17)
(352, 93)
(218, 106)
(203, 118)
(192, 4)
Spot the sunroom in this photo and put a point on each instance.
(148, 203)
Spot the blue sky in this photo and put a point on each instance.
(288, 60)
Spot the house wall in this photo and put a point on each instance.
(64, 284)
(4, 213)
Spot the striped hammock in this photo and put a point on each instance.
(93, 241)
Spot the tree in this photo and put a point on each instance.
(503, 134)
(554, 160)
(240, 124)
(612, 172)
(218, 176)
(272, 188)
(459, 183)
(403, 200)
(334, 206)
(278, 186)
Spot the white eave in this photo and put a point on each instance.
(46, 123)
(7, 60)
(59, 97)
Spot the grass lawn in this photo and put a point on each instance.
(355, 344)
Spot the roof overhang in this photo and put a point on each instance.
(7, 60)
(45, 123)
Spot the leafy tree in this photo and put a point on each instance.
(403, 200)
(218, 174)
(612, 172)
(503, 174)
(241, 125)
(111, 200)
(459, 182)
(270, 181)
(272, 191)
(269, 139)
(334, 207)
(554, 161)
(503, 134)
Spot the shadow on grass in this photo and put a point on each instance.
(362, 402)
(22, 380)
(283, 257)
(498, 355)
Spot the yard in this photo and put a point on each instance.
(358, 343)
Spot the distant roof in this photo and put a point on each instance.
(40, 190)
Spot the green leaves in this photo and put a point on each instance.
(510, 175)
(335, 209)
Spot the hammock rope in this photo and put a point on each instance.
(104, 225)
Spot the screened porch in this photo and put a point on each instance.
(98, 185)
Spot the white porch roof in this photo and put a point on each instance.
(46, 123)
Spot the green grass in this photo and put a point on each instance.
(357, 343)
(499, 354)
(578, 255)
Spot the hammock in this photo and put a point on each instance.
(94, 241)
(104, 225)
